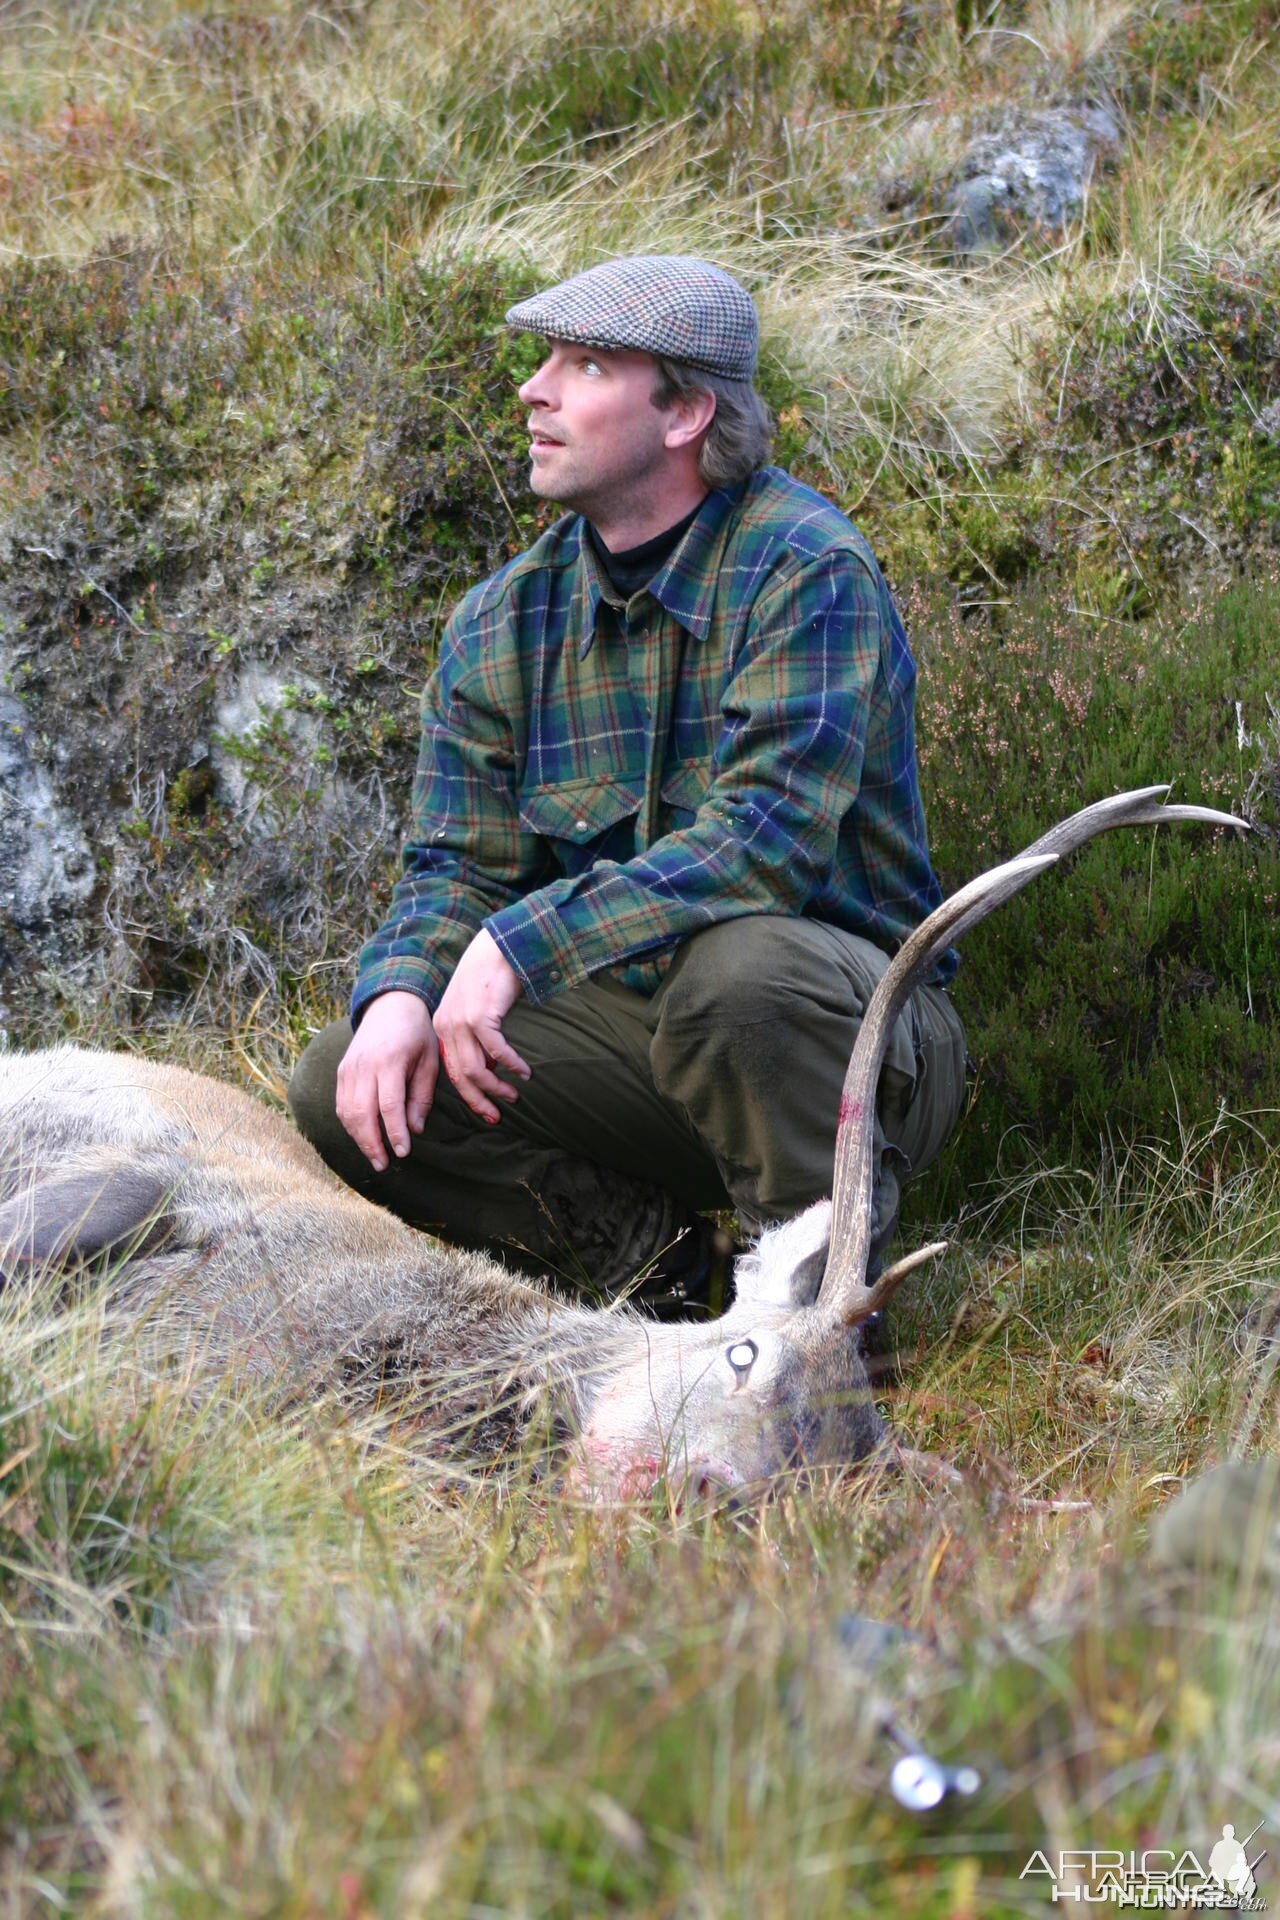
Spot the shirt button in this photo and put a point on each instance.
(555, 974)
(580, 826)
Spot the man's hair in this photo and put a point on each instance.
(740, 436)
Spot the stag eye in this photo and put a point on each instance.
(742, 1357)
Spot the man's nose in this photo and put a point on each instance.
(537, 390)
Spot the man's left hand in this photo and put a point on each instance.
(468, 1024)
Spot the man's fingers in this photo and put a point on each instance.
(392, 1107)
(501, 1089)
(463, 1059)
(357, 1106)
(387, 1077)
(501, 1053)
(422, 1090)
(497, 1051)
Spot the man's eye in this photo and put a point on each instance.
(590, 366)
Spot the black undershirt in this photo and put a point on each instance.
(629, 571)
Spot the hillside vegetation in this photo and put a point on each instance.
(257, 434)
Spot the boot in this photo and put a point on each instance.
(609, 1234)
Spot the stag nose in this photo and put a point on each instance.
(704, 1486)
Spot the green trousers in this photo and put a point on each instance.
(720, 1091)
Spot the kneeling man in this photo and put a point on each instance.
(666, 832)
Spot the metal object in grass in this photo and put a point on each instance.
(917, 1780)
(920, 1783)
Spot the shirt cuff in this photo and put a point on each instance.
(532, 939)
(395, 976)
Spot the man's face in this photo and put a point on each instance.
(598, 444)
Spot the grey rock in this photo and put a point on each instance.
(254, 701)
(46, 862)
(1032, 169)
(1267, 422)
(1227, 1521)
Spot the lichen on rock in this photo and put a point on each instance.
(1030, 171)
(47, 870)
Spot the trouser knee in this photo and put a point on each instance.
(734, 1014)
(755, 1025)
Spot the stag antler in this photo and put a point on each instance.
(844, 1292)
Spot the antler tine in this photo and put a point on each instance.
(892, 1278)
(1143, 807)
(843, 1291)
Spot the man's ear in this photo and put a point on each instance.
(691, 416)
(785, 1267)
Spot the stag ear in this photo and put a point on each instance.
(784, 1268)
(107, 1203)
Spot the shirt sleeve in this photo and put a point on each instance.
(785, 773)
(466, 856)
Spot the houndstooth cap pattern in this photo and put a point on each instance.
(667, 303)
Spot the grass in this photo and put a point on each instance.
(255, 438)
(327, 1684)
(1131, 976)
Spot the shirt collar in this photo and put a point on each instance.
(685, 587)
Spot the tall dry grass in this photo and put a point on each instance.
(272, 1664)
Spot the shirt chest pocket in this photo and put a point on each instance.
(583, 821)
(684, 788)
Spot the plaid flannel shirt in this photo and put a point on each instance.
(598, 781)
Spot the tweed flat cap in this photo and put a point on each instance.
(667, 303)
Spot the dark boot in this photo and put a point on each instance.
(608, 1234)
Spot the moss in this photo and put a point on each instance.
(248, 470)
(190, 792)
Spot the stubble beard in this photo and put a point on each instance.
(604, 500)
(561, 493)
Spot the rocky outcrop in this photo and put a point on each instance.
(47, 874)
(1030, 171)
(230, 531)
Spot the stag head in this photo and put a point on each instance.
(779, 1381)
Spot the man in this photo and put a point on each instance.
(666, 831)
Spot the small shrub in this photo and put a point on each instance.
(1161, 456)
(1136, 987)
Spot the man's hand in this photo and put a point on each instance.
(468, 1024)
(389, 1072)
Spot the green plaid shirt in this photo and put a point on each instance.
(597, 781)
